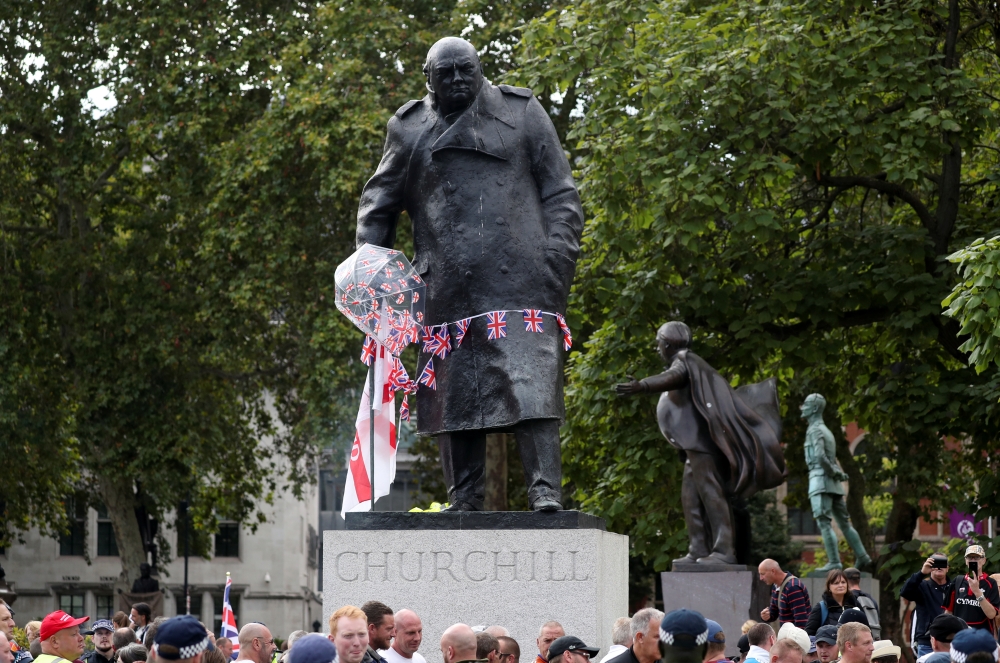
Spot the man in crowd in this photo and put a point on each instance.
(571, 649)
(509, 649)
(853, 578)
(140, 616)
(496, 631)
(928, 590)
(826, 643)
(225, 645)
(256, 643)
(645, 631)
(941, 632)
(349, 632)
(6, 655)
(855, 643)
(104, 651)
(761, 638)
(974, 646)
(683, 637)
(786, 650)
(122, 638)
(381, 629)
(487, 648)
(974, 597)
(61, 637)
(621, 638)
(716, 651)
(406, 640)
(789, 597)
(458, 644)
(180, 640)
(796, 635)
(7, 628)
(546, 635)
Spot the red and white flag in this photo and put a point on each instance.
(358, 492)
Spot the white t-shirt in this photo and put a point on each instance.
(394, 656)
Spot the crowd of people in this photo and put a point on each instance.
(953, 623)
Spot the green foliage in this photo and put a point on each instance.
(770, 535)
(785, 177)
(975, 300)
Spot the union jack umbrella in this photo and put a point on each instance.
(496, 324)
(384, 289)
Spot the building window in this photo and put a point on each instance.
(71, 604)
(107, 546)
(227, 540)
(72, 543)
(105, 606)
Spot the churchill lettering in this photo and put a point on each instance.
(445, 566)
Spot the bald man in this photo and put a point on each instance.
(789, 597)
(458, 644)
(256, 643)
(409, 635)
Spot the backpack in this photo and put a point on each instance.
(864, 603)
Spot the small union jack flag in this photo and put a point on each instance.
(386, 287)
(463, 326)
(419, 314)
(416, 279)
(404, 410)
(427, 376)
(416, 296)
(389, 272)
(402, 267)
(496, 324)
(430, 341)
(532, 320)
(401, 298)
(442, 341)
(368, 351)
(402, 283)
(398, 377)
(567, 336)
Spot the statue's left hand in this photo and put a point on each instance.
(628, 388)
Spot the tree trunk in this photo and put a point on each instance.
(496, 472)
(899, 527)
(119, 498)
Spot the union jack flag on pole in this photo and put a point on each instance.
(229, 629)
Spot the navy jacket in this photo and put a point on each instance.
(930, 598)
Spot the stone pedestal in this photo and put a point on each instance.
(728, 597)
(514, 569)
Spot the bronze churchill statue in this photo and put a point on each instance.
(496, 227)
(728, 438)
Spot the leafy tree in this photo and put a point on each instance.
(787, 178)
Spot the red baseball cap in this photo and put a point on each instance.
(57, 621)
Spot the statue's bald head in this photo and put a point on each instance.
(458, 643)
(816, 401)
(454, 73)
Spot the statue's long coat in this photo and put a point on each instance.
(496, 226)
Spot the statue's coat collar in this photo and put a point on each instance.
(476, 128)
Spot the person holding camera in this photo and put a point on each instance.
(974, 597)
(928, 590)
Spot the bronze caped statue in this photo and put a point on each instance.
(496, 227)
(729, 440)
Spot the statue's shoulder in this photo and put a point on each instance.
(516, 91)
(408, 107)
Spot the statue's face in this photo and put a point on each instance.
(809, 407)
(454, 74)
(666, 350)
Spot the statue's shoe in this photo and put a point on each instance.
(546, 505)
(461, 505)
(686, 559)
(717, 558)
(863, 562)
(830, 566)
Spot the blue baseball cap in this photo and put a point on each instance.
(715, 633)
(106, 624)
(312, 648)
(683, 628)
(180, 637)
(972, 641)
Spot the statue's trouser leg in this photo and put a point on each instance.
(844, 521)
(822, 507)
(693, 516)
(712, 495)
(541, 456)
(463, 459)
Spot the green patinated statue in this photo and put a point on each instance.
(826, 490)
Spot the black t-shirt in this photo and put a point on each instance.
(963, 604)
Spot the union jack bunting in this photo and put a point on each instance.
(567, 336)
(532, 320)
(368, 351)
(463, 326)
(399, 379)
(442, 341)
(430, 340)
(496, 324)
(404, 410)
(427, 376)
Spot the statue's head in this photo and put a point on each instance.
(683, 637)
(672, 337)
(813, 404)
(454, 74)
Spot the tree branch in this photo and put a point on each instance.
(891, 108)
(880, 184)
(103, 178)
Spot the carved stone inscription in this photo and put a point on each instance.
(448, 566)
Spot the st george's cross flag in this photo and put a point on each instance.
(358, 492)
(229, 629)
